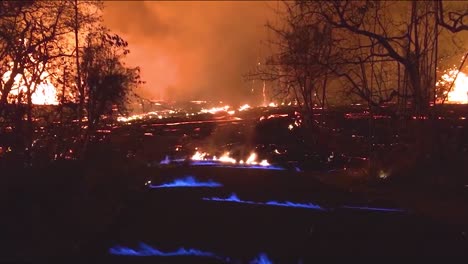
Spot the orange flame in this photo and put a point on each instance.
(226, 158)
(459, 92)
(45, 93)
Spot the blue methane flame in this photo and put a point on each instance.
(166, 160)
(299, 205)
(234, 199)
(261, 259)
(145, 250)
(373, 208)
(188, 181)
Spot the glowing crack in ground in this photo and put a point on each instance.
(235, 199)
(188, 181)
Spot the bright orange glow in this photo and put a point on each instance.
(45, 93)
(215, 110)
(252, 159)
(244, 107)
(138, 117)
(272, 104)
(226, 158)
(199, 156)
(459, 92)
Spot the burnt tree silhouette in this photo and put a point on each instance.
(107, 81)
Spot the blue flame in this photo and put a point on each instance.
(291, 204)
(261, 259)
(374, 208)
(188, 181)
(166, 160)
(235, 199)
(145, 250)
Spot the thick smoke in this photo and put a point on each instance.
(193, 50)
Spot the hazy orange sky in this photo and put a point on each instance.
(193, 50)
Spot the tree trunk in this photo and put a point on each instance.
(78, 71)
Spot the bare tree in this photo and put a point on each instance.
(107, 82)
(452, 20)
(303, 48)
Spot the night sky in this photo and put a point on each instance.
(193, 50)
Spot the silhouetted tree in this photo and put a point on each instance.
(385, 50)
(44, 41)
(303, 48)
(106, 80)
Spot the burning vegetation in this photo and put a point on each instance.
(456, 87)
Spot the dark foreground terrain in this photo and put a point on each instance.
(121, 203)
(317, 221)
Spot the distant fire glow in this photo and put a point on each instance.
(139, 117)
(200, 158)
(45, 93)
(226, 158)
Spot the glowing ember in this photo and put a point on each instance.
(272, 105)
(215, 110)
(139, 117)
(244, 107)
